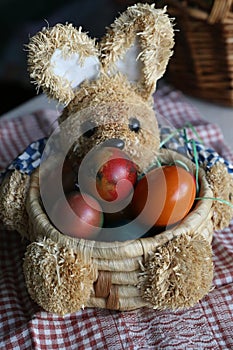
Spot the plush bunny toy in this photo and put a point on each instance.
(107, 89)
(120, 71)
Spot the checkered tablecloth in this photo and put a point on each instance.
(23, 325)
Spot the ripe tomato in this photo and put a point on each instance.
(164, 196)
(78, 215)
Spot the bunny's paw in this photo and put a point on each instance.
(178, 274)
(13, 192)
(57, 278)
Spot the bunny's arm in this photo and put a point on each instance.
(221, 183)
(13, 192)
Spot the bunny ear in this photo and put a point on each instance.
(139, 44)
(60, 58)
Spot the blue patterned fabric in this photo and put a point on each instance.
(29, 160)
(177, 141)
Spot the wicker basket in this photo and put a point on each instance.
(121, 280)
(202, 65)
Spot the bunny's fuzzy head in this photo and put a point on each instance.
(107, 87)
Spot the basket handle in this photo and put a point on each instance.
(220, 10)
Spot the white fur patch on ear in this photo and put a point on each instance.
(139, 44)
(71, 69)
(130, 65)
(60, 58)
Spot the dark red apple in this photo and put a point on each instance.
(68, 176)
(78, 215)
(52, 186)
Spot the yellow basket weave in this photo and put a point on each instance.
(121, 279)
(202, 65)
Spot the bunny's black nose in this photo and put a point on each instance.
(114, 142)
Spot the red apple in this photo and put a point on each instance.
(109, 174)
(78, 215)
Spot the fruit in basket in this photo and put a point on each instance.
(116, 217)
(49, 182)
(112, 85)
(164, 196)
(109, 174)
(116, 177)
(78, 215)
(68, 178)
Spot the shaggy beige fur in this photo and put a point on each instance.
(40, 50)
(221, 183)
(111, 112)
(13, 192)
(170, 270)
(179, 273)
(151, 27)
(153, 30)
(56, 277)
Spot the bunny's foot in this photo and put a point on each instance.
(178, 274)
(57, 278)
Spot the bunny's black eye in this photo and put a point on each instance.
(134, 124)
(88, 128)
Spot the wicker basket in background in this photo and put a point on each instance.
(202, 65)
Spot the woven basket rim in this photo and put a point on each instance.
(131, 248)
(220, 10)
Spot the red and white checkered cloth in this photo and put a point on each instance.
(23, 325)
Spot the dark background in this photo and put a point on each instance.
(21, 19)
